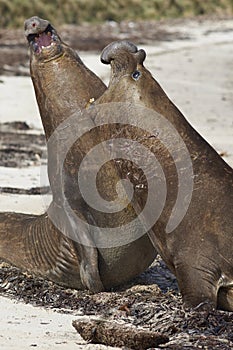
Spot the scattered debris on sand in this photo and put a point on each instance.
(140, 305)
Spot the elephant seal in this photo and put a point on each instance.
(36, 244)
(199, 251)
(67, 73)
(63, 85)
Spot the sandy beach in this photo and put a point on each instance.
(196, 73)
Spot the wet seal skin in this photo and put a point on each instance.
(64, 85)
(199, 251)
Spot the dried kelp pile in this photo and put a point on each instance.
(19, 147)
(142, 306)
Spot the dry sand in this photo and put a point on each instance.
(196, 74)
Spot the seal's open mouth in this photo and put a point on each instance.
(43, 40)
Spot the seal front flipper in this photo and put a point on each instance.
(32, 243)
(80, 238)
(225, 298)
(203, 288)
(198, 285)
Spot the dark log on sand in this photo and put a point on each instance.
(119, 335)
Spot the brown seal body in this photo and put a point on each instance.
(64, 85)
(37, 245)
(66, 74)
(199, 250)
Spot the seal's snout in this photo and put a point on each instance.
(35, 25)
(40, 34)
(110, 51)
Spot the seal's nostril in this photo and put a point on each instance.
(33, 24)
(136, 75)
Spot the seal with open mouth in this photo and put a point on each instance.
(32, 242)
(199, 250)
(63, 85)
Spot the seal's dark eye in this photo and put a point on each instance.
(136, 75)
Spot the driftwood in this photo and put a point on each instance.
(119, 335)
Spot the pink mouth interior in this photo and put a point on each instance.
(43, 40)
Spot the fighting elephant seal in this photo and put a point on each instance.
(199, 251)
(67, 74)
(33, 242)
